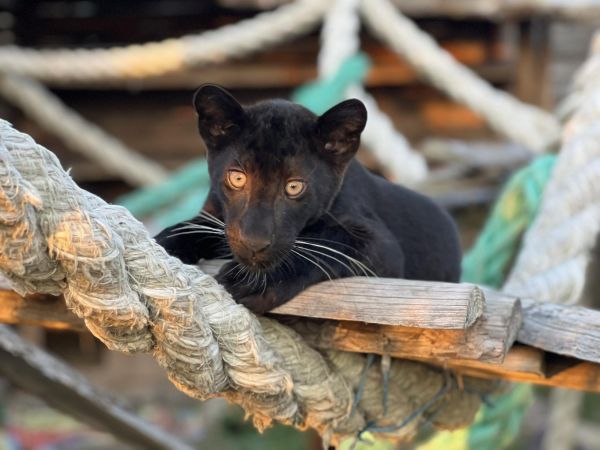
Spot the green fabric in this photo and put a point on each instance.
(184, 209)
(489, 260)
(176, 200)
(191, 178)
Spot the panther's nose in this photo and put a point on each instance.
(256, 245)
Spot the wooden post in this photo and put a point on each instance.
(532, 71)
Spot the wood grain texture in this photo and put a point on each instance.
(387, 301)
(56, 383)
(567, 330)
(488, 340)
(371, 300)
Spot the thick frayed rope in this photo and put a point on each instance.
(56, 237)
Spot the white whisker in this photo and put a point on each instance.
(309, 238)
(196, 226)
(311, 250)
(312, 262)
(210, 218)
(366, 270)
(350, 247)
(193, 232)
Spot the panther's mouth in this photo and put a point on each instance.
(262, 263)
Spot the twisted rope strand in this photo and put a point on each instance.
(79, 134)
(66, 66)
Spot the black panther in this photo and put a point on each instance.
(293, 207)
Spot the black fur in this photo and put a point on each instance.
(387, 229)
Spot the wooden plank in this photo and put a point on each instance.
(522, 363)
(531, 365)
(566, 330)
(489, 339)
(388, 301)
(40, 310)
(384, 301)
(43, 375)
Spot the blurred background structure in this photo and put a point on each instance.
(529, 49)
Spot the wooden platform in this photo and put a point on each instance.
(457, 326)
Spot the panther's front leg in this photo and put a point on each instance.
(199, 238)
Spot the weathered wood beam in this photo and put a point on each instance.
(521, 364)
(385, 301)
(447, 348)
(562, 329)
(389, 301)
(43, 375)
(40, 310)
(488, 340)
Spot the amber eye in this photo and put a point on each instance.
(236, 179)
(294, 188)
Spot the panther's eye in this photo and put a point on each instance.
(236, 179)
(294, 188)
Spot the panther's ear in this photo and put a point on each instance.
(339, 130)
(220, 116)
